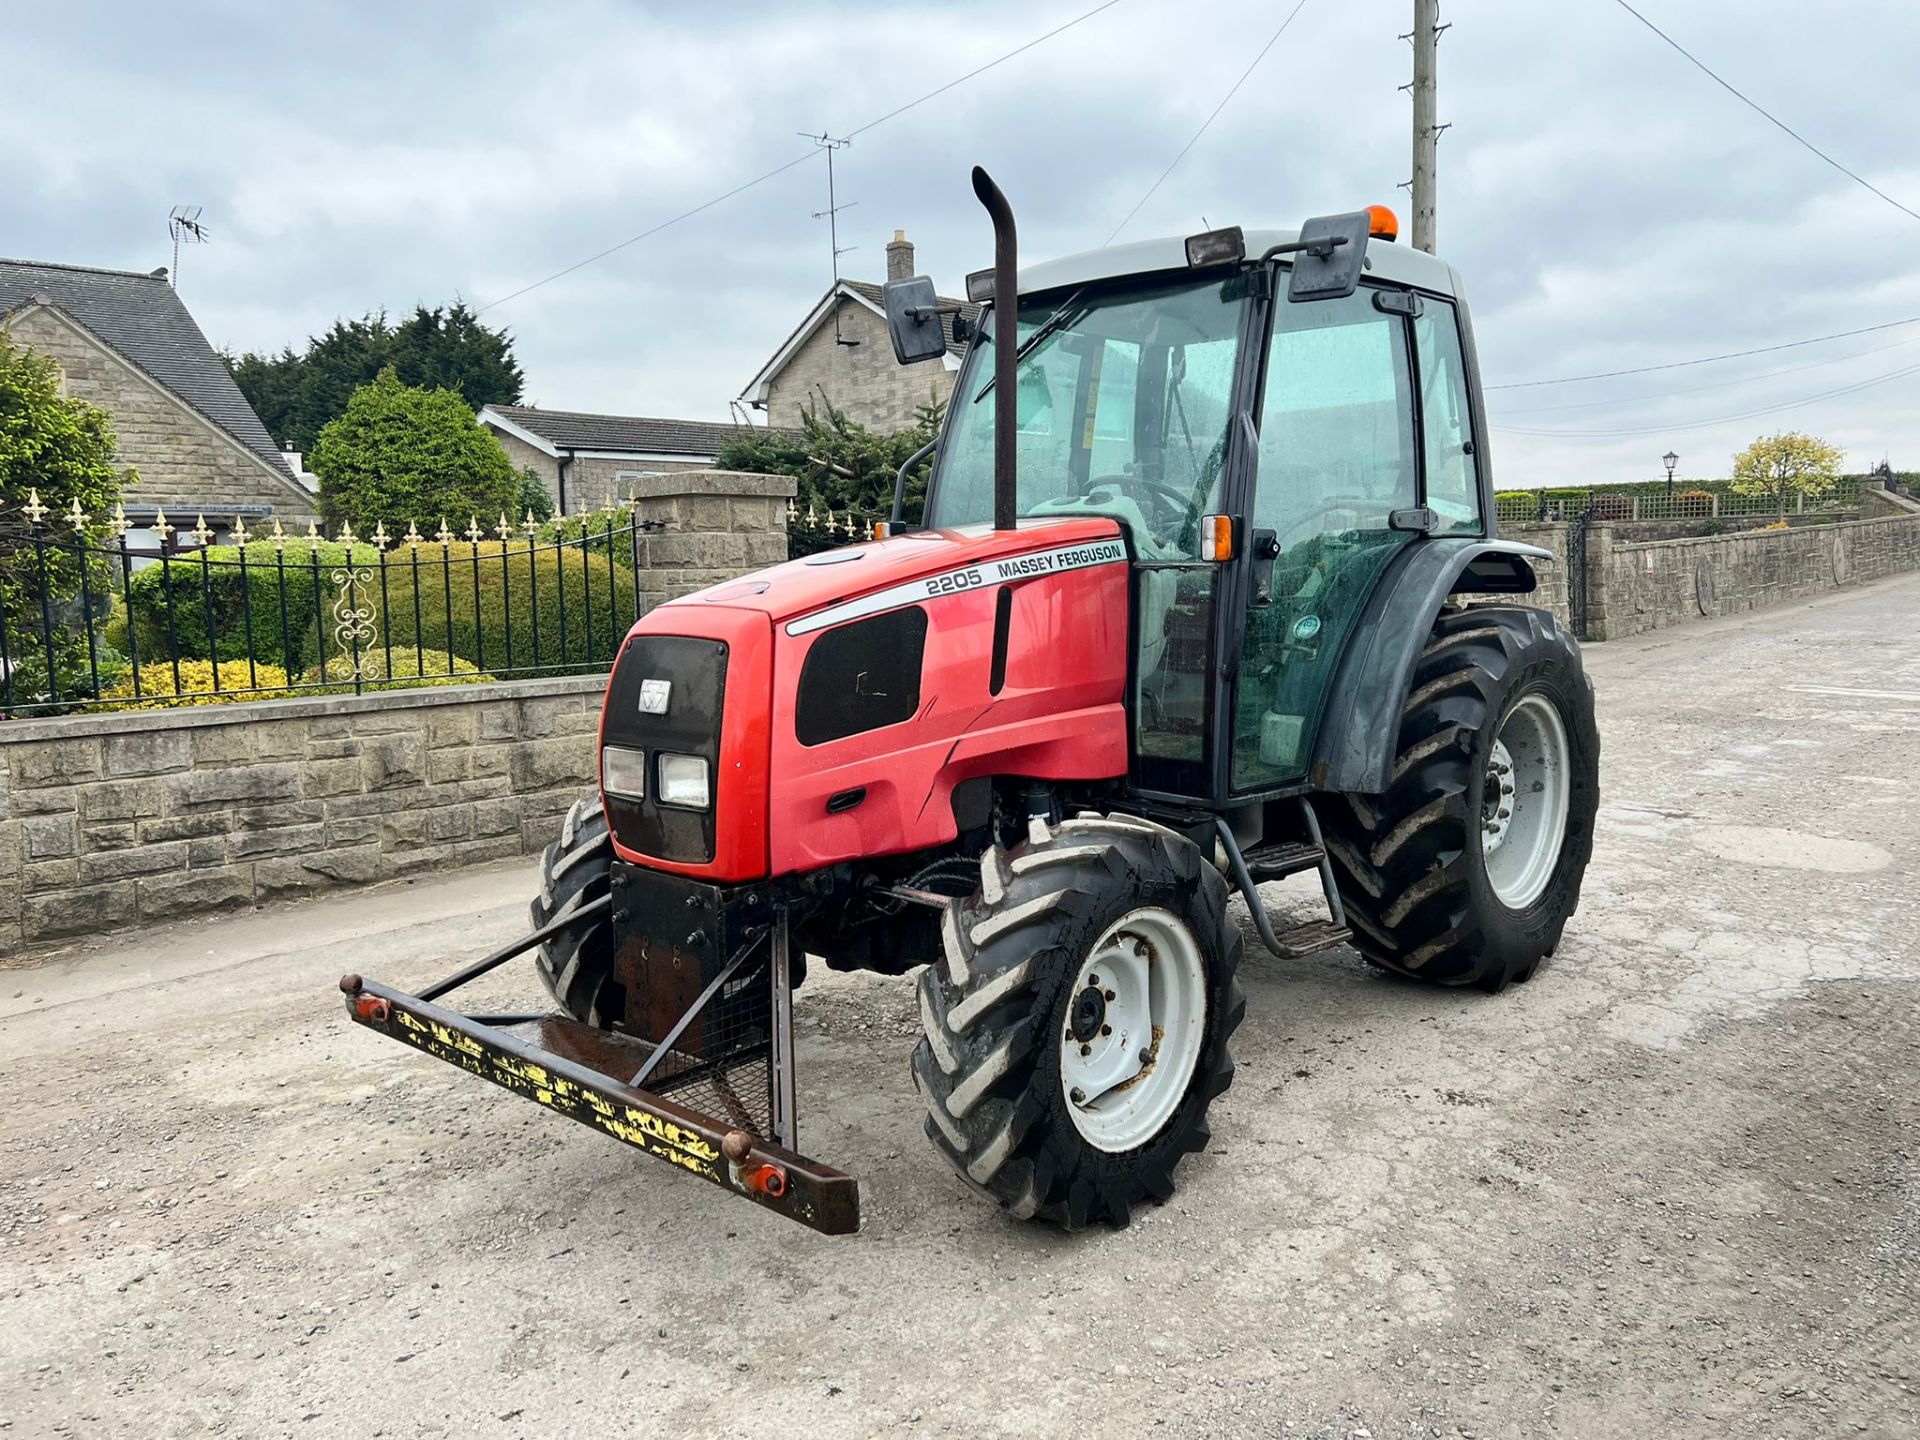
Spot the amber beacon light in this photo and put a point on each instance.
(1382, 223)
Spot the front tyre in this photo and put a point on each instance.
(1467, 868)
(1076, 1027)
(577, 965)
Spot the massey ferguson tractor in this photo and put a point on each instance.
(1185, 612)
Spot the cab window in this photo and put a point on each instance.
(1453, 477)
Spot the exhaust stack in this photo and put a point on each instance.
(1006, 341)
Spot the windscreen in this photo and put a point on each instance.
(1123, 402)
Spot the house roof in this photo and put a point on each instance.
(638, 435)
(864, 292)
(140, 317)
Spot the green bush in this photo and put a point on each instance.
(401, 454)
(214, 599)
(458, 599)
(599, 603)
(1612, 506)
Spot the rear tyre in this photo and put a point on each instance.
(577, 964)
(1465, 871)
(1076, 1026)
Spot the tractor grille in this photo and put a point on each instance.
(695, 674)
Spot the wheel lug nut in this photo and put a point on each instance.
(1146, 1057)
(1093, 979)
(1106, 1029)
(1086, 1049)
(1109, 994)
(1078, 1096)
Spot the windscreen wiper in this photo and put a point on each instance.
(1065, 315)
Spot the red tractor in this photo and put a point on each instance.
(1185, 614)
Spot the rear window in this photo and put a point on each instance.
(861, 676)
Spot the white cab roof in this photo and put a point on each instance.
(1386, 260)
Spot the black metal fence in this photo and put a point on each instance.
(93, 617)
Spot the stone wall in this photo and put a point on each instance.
(1651, 585)
(715, 525)
(111, 820)
(862, 379)
(186, 464)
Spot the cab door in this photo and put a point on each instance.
(1338, 455)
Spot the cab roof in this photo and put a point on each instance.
(1386, 260)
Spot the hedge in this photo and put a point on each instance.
(479, 605)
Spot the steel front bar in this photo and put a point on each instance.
(772, 1176)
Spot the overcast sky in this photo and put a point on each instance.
(1609, 206)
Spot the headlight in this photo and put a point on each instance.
(684, 782)
(623, 772)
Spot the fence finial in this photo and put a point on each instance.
(503, 529)
(240, 534)
(413, 536)
(313, 527)
(75, 516)
(445, 536)
(346, 536)
(160, 526)
(33, 509)
(474, 533)
(530, 525)
(203, 536)
(278, 538)
(119, 525)
(380, 537)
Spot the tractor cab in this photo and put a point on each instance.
(1269, 449)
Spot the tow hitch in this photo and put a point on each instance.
(597, 1076)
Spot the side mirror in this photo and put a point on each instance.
(913, 320)
(1329, 256)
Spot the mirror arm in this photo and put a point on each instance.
(1321, 247)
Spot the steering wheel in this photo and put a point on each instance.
(1157, 494)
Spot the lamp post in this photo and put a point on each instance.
(1670, 460)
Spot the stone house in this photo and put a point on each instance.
(123, 341)
(841, 353)
(589, 461)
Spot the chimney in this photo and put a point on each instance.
(899, 257)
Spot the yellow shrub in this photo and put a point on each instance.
(156, 692)
(410, 668)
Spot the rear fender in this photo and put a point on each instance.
(1357, 742)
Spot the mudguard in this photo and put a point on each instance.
(1357, 740)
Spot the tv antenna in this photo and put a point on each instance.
(831, 215)
(184, 221)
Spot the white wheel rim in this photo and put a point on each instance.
(1523, 808)
(1127, 1056)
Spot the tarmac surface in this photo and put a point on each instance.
(1670, 1187)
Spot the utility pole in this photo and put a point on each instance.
(1426, 133)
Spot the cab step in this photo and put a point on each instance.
(1311, 938)
(1276, 862)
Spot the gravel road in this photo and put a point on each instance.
(1671, 1187)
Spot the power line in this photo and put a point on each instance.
(790, 164)
(1208, 121)
(935, 94)
(1714, 385)
(1704, 359)
(1762, 111)
(1715, 420)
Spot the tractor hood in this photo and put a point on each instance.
(836, 585)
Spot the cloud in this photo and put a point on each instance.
(1608, 205)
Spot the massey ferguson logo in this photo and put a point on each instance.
(971, 577)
